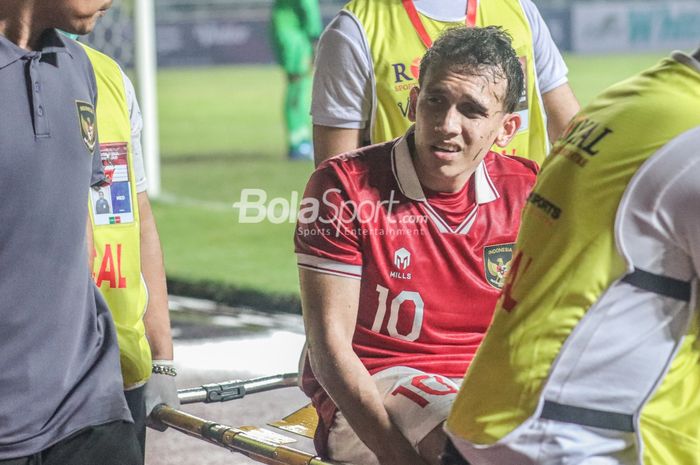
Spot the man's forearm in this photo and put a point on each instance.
(330, 141)
(157, 317)
(349, 384)
(561, 105)
(330, 305)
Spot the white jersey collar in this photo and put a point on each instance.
(409, 184)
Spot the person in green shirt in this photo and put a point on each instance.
(295, 27)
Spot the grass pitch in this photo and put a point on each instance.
(222, 132)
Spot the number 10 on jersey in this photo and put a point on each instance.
(396, 313)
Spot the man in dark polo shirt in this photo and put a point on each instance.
(61, 399)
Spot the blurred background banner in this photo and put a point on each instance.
(197, 33)
(218, 31)
(212, 32)
(634, 26)
(558, 19)
(221, 32)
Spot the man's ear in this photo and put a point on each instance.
(413, 101)
(510, 126)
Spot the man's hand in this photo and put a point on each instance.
(401, 453)
(160, 389)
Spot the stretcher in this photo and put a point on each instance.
(257, 443)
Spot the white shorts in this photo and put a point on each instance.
(417, 403)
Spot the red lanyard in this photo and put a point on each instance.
(420, 29)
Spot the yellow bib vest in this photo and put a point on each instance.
(567, 258)
(115, 220)
(396, 50)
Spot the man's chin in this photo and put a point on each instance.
(81, 28)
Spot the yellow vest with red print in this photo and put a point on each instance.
(397, 49)
(117, 266)
(567, 258)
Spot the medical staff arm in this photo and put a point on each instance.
(560, 105)
(343, 90)
(160, 388)
(558, 99)
(330, 306)
(330, 141)
(157, 317)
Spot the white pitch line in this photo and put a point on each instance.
(269, 354)
(182, 201)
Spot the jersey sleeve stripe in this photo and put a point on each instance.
(324, 265)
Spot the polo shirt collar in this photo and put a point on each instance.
(409, 184)
(54, 42)
(51, 42)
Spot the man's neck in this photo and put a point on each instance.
(436, 181)
(441, 10)
(18, 24)
(440, 183)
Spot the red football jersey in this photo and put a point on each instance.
(431, 264)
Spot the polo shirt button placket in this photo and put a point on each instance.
(41, 122)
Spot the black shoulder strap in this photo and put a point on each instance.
(658, 284)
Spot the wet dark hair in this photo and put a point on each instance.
(482, 51)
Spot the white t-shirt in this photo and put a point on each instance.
(136, 127)
(655, 227)
(344, 99)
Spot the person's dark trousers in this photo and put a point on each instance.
(109, 444)
(451, 456)
(137, 404)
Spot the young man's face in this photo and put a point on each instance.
(458, 118)
(75, 16)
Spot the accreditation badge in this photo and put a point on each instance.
(112, 203)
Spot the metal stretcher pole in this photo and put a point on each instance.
(234, 439)
(237, 389)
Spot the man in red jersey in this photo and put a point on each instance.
(402, 249)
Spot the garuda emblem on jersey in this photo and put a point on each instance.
(497, 260)
(88, 128)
